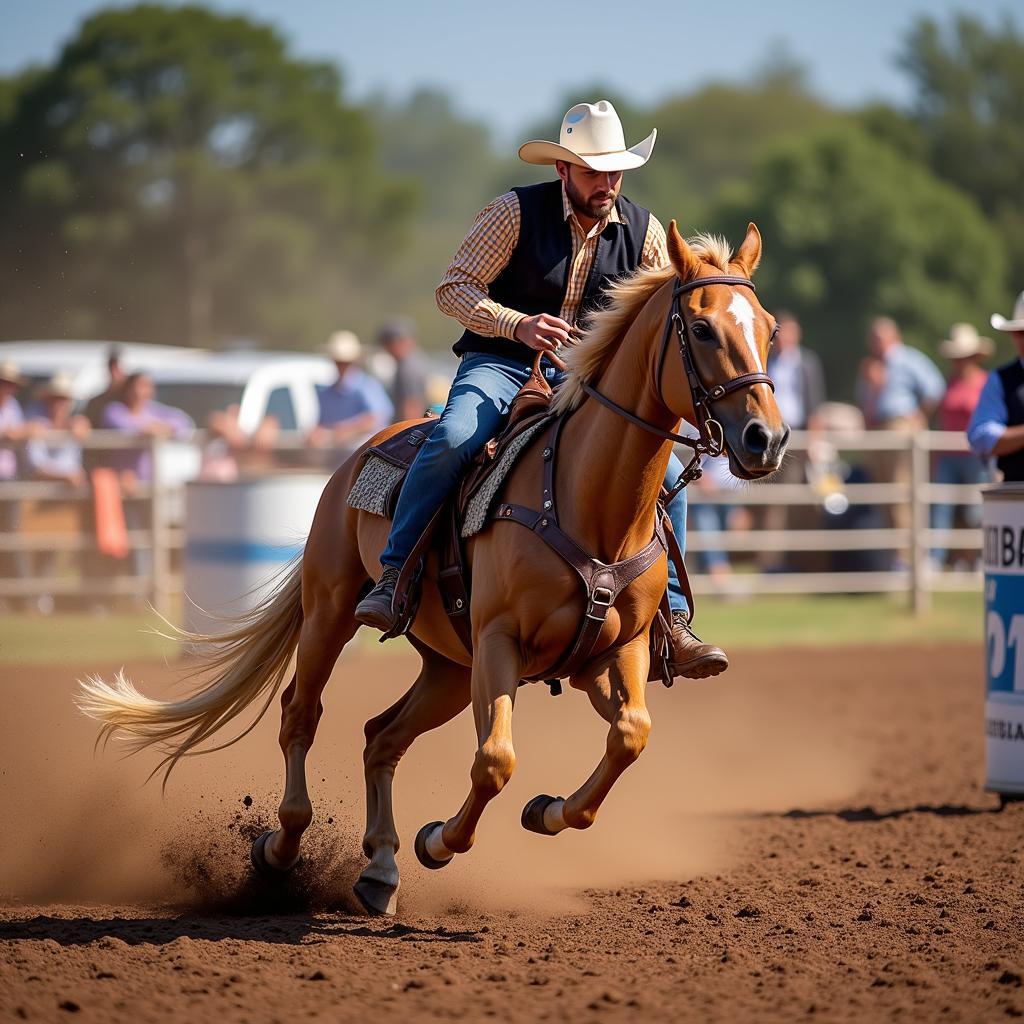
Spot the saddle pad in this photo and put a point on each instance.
(374, 485)
(474, 516)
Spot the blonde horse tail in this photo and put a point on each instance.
(249, 662)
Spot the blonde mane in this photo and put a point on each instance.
(608, 326)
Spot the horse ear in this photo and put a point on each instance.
(748, 256)
(687, 264)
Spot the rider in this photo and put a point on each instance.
(531, 268)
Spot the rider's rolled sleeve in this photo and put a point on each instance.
(655, 251)
(990, 417)
(483, 254)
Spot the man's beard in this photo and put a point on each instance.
(597, 209)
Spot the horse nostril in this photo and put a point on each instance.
(756, 437)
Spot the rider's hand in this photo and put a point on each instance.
(543, 332)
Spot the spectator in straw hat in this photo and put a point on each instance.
(57, 458)
(997, 426)
(355, 405)
(966, 350)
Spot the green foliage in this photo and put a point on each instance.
(852, 229)
(969, 110)
(177, 177)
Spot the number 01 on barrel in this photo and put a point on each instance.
(1003, 523)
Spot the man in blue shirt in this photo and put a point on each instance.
(997, 426)
(898, 388)
(355, 406)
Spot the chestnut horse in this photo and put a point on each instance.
(526, 603)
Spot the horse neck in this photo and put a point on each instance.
(611, 471)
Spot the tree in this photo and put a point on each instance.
(176, 176)
(969, 107)
(853, 229)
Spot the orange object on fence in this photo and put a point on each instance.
(111, 532)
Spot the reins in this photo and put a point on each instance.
(710, 438)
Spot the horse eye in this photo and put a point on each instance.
(701, 330)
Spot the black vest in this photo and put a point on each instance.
(537, 274)
(1012, 377)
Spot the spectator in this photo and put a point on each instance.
(355, 405)
(997, 426)
(905, 389)
(55, 458)
(800, 392)
(230, 451)
(898, 388)
(799, 379)
(136, 414)
(965, 350)
(409, 384)
(13, 431)
(96, 408)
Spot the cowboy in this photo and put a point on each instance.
(997, 426)
(531, 269)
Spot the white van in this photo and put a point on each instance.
(261, 384)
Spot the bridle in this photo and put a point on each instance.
(710, 438)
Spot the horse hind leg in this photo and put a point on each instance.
(325, 631)
(441, 692)
(618, 696)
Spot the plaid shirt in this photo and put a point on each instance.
(486, 250)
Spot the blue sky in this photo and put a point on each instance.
(508, 64)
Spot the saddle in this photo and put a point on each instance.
(379, 484)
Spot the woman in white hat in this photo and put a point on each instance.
(532, 267)
(997, 426)
(966, 350)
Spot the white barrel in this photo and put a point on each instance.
(238, 538)
(1003, 526)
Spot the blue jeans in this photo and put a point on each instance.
(478, 403)
(957, 468)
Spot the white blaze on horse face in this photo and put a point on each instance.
(743, 313)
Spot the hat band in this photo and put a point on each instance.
(603, 152)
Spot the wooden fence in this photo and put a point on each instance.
(55, 520)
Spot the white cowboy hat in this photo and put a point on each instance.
(964, 342)
(591, 136)
(60, 385)
(9, 372)
(1016, 322)
(343, 347)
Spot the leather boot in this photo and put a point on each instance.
(377, 608)
(690, 656)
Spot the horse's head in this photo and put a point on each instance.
(727, 335)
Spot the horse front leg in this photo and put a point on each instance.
(617, 693)
(441, 691)
(497, 670)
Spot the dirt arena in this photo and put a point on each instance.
(805, 838)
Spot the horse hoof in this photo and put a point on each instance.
(420, 846)
(262, 866)
(377, 898)
(533, 815)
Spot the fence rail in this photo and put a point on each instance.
(164, 537)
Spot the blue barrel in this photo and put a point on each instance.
(239, 536)
(1003, 529)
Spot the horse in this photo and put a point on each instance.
(627, 390)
